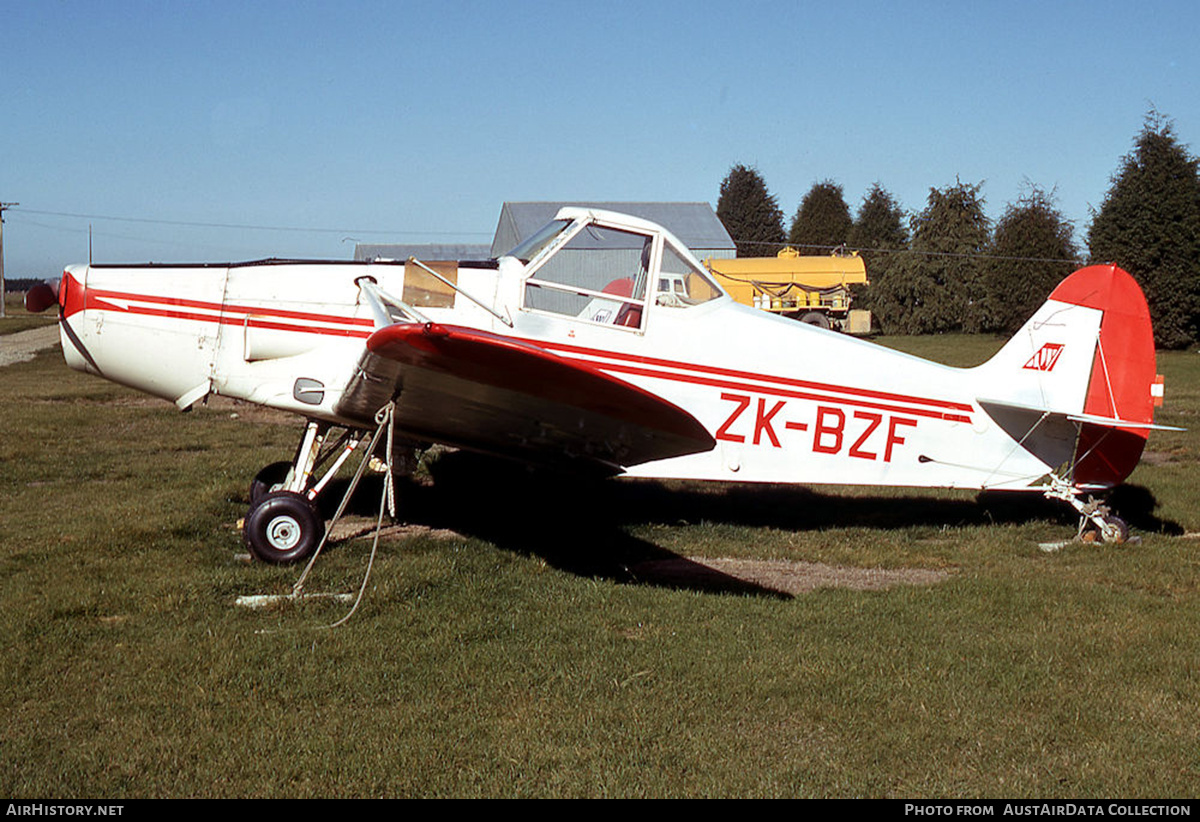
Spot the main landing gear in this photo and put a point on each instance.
(284, 523)
(283, 527)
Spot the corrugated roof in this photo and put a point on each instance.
(422, 251)
(695, 224)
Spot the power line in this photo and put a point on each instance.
(825, 249)
(248, 227)
(394, 232)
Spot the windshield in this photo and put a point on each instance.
(529, 249)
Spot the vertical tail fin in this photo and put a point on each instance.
(1086, 354)
(1122, 378)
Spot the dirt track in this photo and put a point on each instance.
(787, 576)
(24, 345)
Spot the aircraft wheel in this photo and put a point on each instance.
(816, 318)
(1114, 531)
(283, 527)
(265, 480)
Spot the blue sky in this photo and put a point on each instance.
(229, 131)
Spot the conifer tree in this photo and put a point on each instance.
(750, 213)
(934, 287)
(1021, 271)
(1149, 224)
(822, 221)
(879, 232)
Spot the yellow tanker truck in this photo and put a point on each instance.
(811, 289)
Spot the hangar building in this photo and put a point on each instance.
(695, 224)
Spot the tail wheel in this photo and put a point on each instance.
(1111, 530)
(283, 527)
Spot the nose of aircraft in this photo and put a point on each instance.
(40, 297)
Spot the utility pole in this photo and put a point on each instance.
(3, 206)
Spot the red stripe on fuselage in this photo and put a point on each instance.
(254, 316)
(729, 372)
(783, 392)
(784, 386)
(633, 364)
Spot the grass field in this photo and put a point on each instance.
(510, 646)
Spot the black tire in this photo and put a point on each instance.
(816, 318)
(1115, 531)
(266, 480)
(283, 527)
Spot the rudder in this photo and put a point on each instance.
(1122, 378)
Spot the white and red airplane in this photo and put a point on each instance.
(601, 344)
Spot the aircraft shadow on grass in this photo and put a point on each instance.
(582, 526)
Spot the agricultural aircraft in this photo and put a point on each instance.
(601, 345)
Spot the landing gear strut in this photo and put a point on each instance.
(284, 524)
(1097, 522)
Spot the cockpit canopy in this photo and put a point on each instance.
(608, 268)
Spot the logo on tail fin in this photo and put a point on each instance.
(1045, 357)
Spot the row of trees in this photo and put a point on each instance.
(948, 268)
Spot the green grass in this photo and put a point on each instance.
(961, 350)
(525, 655)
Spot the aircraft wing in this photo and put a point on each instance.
(496, 394)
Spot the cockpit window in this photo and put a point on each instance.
(529, 249)
(609, 276)
(681, 284)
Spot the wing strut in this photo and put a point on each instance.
(381, 304)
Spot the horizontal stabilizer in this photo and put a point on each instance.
(1033, 415)
(1048, 435)
(1113, 422)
